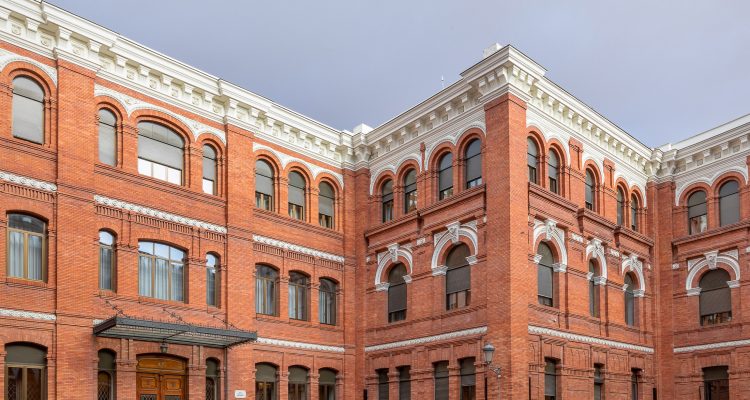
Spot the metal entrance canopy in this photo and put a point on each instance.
(167, 332)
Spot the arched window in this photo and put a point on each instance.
(545, 279)
(697, 220)
(590, 190)
(107, 137)
(266, 290)
(458, 278)
(160, 152)
(532, 159)
(28, 110)
(266, 386)
(553, 172)
(326, 201)
(106, 261)
(397, 293)
(327, 301)
(387, 200)
(410, 191)
(593, 290)
(105, 382)
(327, 384)
(263, 185)
(209, 169)
(635, 205)
(620, 206)
(445, 176)
(212, 379)
(468, 378)
(25, 372)
(629, 299)
(161, 271)
(212, 279)
(27, 246)
(716, 383)
(473, 158)
(297, 189)
(729, 203)
(298, 381)
(715, 298)
(299, 286)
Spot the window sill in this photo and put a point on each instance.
(26, 282)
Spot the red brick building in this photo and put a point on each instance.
(169, 235)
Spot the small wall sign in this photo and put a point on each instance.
(240, 394)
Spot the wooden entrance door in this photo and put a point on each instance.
(160, 378)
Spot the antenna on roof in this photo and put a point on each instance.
(442, 82)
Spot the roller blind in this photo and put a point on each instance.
(325, 199)
(265, 373)
(441, 381)
(397, 297)
(729, 203)
(468, 378)
(458, 279)
(159, 152)
(544, 276)
(697, 204)
(715, 373)
(473, 161)
(297, 375)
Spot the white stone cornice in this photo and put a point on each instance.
(428, 339)
(29, 182)
(712, 346)
(537, 330)
(297, 248)
(5, 312)
(299, 345)
(285, 159)
(159, 214)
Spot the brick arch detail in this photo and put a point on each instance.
(713, 260)
(548, 231)
(312, 171)
(452, 235)
(632, 264)
(394, 254)
(595, 250)
(738, 171)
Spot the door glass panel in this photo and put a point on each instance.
(148, 397)
(33, 384)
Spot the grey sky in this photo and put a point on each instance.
(661, 70)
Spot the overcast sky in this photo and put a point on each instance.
(661, 70)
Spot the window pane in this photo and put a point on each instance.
(15, 254)
(544, 275)
(144, 276)
(35, 257)
(26, 223)
(177, 282)
(107, 144)
(28, 119)
(105, 268)
(161, 279)
(14, 382)
(34, 384)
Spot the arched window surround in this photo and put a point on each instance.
(727, 260)
(47, 84)
(175, 127)
(118, 130)
(273, 164)
(394, 254)
(219, 162)
(596, 187)
(293, 167)
(336, 217)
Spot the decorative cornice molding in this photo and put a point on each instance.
(390, 256)
(427, 339)
(632, 263)
(158, 214)
(299, 249)
(285, 159)
(712, 346)
(26, 181)
(711, 260)
(595, 249)
(5, 312)
(7, 57)
(537, 330)
(299, 345)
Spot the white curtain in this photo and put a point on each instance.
(161, 279)
(177, 281)
(35, 257)
(15, 255)
(144, 276)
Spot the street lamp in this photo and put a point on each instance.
(488, 351)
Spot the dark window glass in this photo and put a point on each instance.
(266, 289)
(265, 382)
(410, 191)
(397, 293)
(593, 290)
(468, 379)
(298, 381)
(297, 189)
(590, 191)
(598, 382)
(209, 170)
(634, 384)
(25, 372)
(387, 200)
(105, 388)
(327, 302)
(404, 383)
(544, 275)
(715, 298)
(458, 278)
(212, 379)
(445, 176)
(299, 287)
(263, 185)
(327, 384)
(550, 379)
(697, 220)
(729, 203)
(629, 300)
(716, 383)
(382, 384)
(473, 157)
(532, 159)
(107, 137)
(26, 247)
(106, 261)
(160, 152)
(553, 171)
(441, 380)
(620, 206)
(212, 281)
(326, 200)
(28, 110)
(161, 271)
(634, 206)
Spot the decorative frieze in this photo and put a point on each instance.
(537, 330)
(299, 345)
(712, 346)
(297, 248)
(29, 182)
(158, 214)
(5, 312)
(7, 57)
(428, 339)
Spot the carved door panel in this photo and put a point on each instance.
(147, 386)
(172, 387)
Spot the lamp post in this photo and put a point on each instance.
(488, 351)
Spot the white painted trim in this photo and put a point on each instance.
(742, 170)
(299, 249)
(712, 346)
(7, 57)
(299, 345)
(5, 312)
(26, 181)
(552, 233)
(537, 330)
(427, 339)
(450, 237)
(596, 250)
(710, 261)
(285, 159)
(391, 256)
(632, 263)
(158, 214)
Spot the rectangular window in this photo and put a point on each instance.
(404, 383)
(327, 305)
(397, 302)
(25, 383)
(634, 384)
(388, 210)
(598, 382)
(410, 200)
(296, 211)
(160, 271)
(265, 296)
(468, 379)
(28, 119)
(382, 384)
(550, 379)
(553, 184)
(297, 302)
(544, 277)
(593, 298)
(106, 267)
(441, 380)
(458, 284)
(716, 383)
